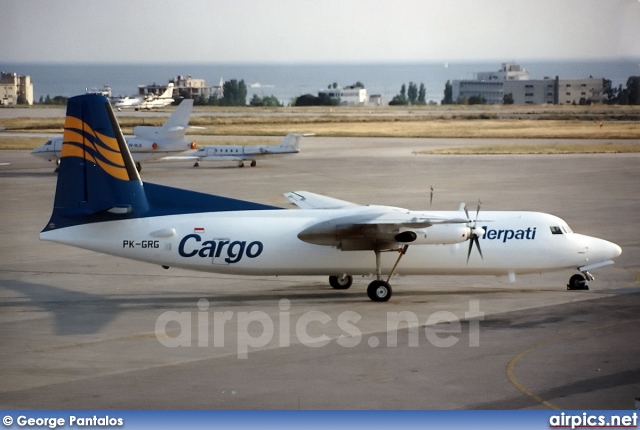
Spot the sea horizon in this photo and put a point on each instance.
(286, 81)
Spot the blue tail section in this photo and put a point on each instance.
(98, 181)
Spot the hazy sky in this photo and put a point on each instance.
(302, 31)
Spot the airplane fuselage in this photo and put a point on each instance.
(267, 243)
(141, 149)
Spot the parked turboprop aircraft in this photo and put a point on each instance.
(239, 153)
(148, 143)
(147, 102)
(101, 204)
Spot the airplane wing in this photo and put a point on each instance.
(208, 158)
(180, 157)
(374, 227)
(381, 228)
(307, 200)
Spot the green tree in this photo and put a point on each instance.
(311, 100)
(448, 94)
(235, 93)
(412, 93)
(399, 101)
(201, 100)
(633, 90)
(507, 99)
(477, 100)
(271, 101)
(610, 93)
(422, 95)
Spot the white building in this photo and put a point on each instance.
(14, 87)
(348, 96)
(572, 91)
(514, 81)
(535, 91)
(508, 72)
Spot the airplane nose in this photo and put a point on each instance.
(603, 249)
(616, 251)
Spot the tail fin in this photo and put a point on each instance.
(179, 119)
(168, 93)
(98, 181)
(291, 142)
(97, 175)
(175, 127)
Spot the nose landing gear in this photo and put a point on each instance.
(579, 282)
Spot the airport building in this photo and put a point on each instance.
(15, 88)
(188, 87)
(349, 96)
(512, 80)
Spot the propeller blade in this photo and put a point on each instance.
(477, 241)
(431, 197)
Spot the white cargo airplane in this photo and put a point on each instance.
(148, 143)
(147, 102)
(101, 204)
(289, 145)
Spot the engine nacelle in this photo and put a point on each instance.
(147, 131)
(439, 234)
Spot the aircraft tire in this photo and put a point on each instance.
(138, 167)
(379, 291)
(577, 282)
(253, 163)
(341, 282)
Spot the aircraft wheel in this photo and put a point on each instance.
(138, 167)
(253, 163)
(241, 164)
(342, 282)
(577, 282)
(196, 164)
(379, 291)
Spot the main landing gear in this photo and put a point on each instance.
(378, 290)
(342, 282)
(253, 163)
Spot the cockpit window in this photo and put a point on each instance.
(48, 142)
(556, 230)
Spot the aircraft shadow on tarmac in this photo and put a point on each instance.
(74, 313)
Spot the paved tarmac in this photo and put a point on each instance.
(84, 330)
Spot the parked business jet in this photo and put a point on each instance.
(101, 204)
(289, 145)
(148, 143)
(148, 102)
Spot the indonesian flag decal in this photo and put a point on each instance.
(199, 230)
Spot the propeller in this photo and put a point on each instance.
(431, 196)
(475, 233)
